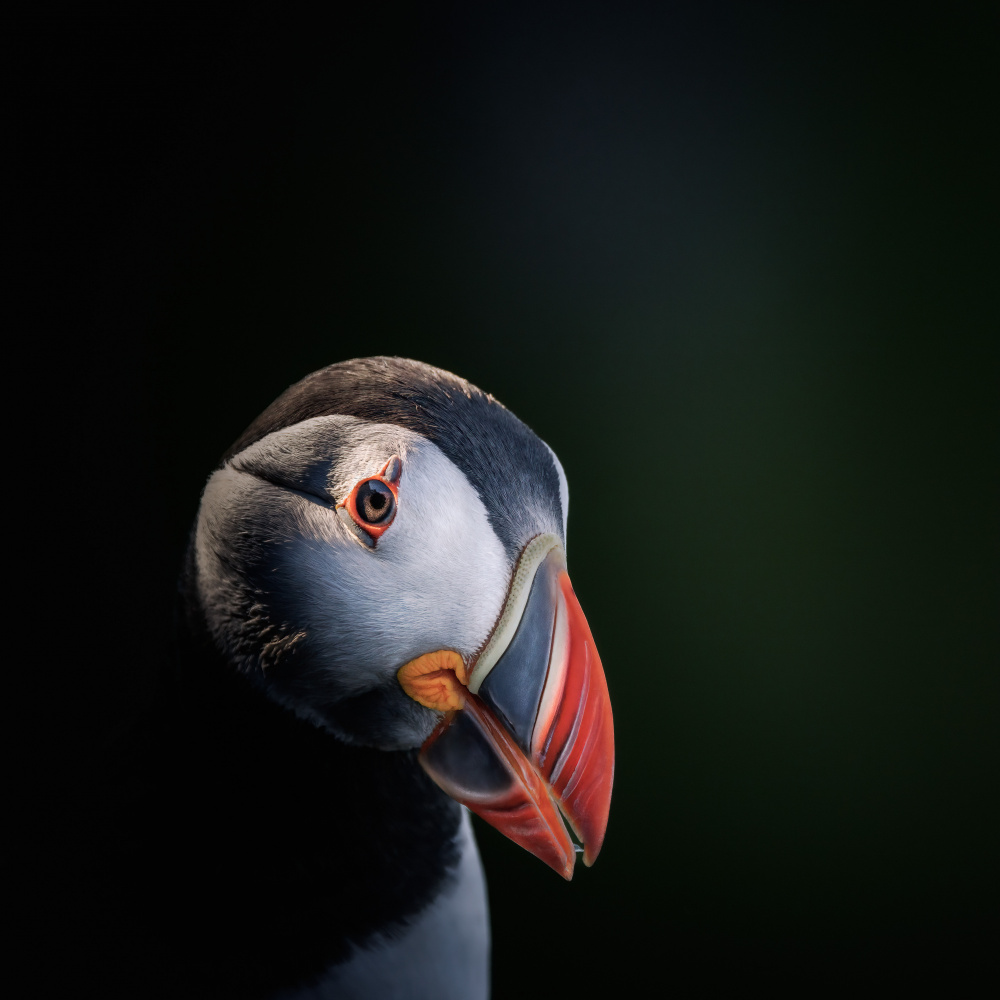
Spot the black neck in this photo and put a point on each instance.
(276, 843)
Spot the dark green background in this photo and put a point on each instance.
(737, 265)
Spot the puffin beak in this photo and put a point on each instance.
(534, 735)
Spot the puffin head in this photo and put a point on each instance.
(382, 552)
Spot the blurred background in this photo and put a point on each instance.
(737, 264)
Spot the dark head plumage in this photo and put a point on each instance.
(511, 469)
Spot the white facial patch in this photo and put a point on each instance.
(435, 580)
(272, 550)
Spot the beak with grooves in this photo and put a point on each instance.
(528, 732)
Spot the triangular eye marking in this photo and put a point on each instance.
(370, 508)
(392, 469)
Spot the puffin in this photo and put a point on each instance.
(375, 636)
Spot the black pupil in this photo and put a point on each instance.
(375, 501)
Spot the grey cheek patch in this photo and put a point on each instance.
(393, 468)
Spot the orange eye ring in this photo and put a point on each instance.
(373, 502)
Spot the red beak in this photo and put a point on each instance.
(536, 735)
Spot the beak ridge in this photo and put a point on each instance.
(576, 749)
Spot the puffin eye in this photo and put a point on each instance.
(374, 502)
(370, 507)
